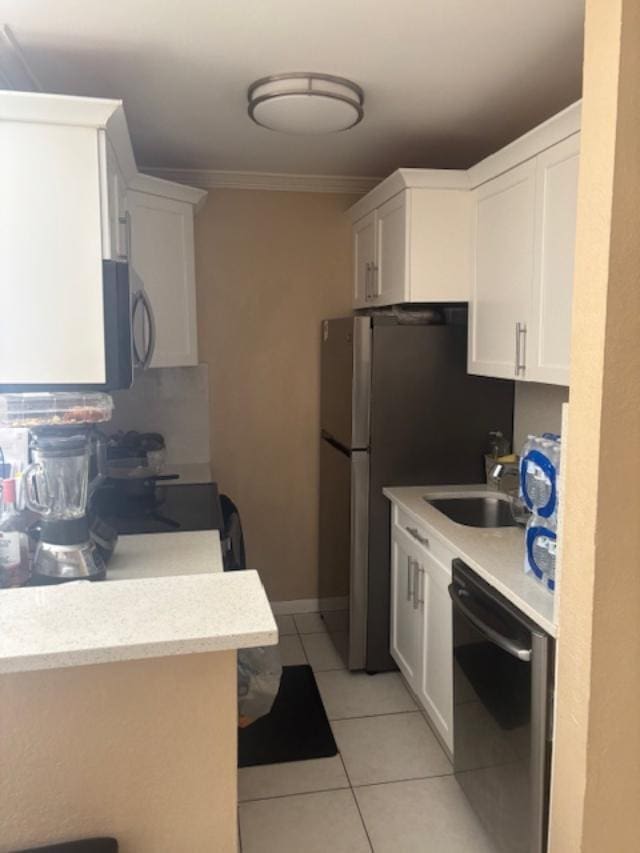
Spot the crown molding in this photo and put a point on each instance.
(153, 185)
(272, 181)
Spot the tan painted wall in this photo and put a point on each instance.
(143, 750)
(596, 782)
(270, 266)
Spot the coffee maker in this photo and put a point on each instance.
(63, 443)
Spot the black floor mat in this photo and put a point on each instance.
(296, 729)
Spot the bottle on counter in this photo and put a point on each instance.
(14, 545)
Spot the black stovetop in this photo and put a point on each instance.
(162, 509)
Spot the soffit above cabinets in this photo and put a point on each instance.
(445, 83)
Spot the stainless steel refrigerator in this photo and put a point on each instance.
(397, 408)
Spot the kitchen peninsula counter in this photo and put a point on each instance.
(119, 699)
(192, 607)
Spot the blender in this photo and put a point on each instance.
(56, 484)
(56, 487)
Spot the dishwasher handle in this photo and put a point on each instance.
(457, 594)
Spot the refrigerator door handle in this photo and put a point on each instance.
(361, 388)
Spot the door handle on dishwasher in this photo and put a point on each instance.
(413, 531)
(498, 639)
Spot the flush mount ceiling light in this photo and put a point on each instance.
(304, 102)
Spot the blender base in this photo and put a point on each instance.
(68, 562)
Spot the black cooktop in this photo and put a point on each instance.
(161, 509)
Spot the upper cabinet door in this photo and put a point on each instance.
(115, 227)
(364, 254)
(503, 266)
(556, 208)
(162, 255)
(390, 270)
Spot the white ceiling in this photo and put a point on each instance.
(446, 81)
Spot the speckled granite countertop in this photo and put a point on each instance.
(192, 607)
(496, 554)
(153, 555)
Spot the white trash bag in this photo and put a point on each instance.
(259, 674)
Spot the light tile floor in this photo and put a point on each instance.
(389, 790)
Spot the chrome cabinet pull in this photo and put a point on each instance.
(367, 281)
(521, 337)
(374, 280)
(420, 581)
(413, 531)
(416, 581)
(409, 573)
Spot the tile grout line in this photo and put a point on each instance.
(369, 716)
(348, 785)
(355, 800)
(297, 793)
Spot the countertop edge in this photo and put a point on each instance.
(391, 493)
(204, 605)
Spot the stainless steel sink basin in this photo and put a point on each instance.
(488, 511)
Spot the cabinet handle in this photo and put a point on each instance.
(409, 573)
(521, 336)
(367, 280)
(420, 586)
(126, 221)
(413, 531)
(375, 279)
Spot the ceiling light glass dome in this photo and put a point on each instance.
(305, 103)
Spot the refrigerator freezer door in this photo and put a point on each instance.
(335, 520)
(343, 553)
(359, 582)
(345, 380)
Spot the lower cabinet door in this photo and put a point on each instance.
(435, 677)
(406, 616)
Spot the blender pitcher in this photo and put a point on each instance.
(57, 482)
(57, 489)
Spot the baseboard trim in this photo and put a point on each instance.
(309, 605)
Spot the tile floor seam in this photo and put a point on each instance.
(297, 793)
(369, 716)
(401, 781)
(355, 800)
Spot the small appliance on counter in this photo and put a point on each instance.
(539, 472)
(56, 485)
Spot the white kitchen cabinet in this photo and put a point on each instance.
(503, 272)
(115, 227)
(412, 239)
(549, 332)
(421, 632)
(524, 242)
(389, 273)
(435, 679)
(364, 256)
(163, 263)
(406, 617)
(54, 232)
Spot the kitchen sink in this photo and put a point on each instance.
(485, 511)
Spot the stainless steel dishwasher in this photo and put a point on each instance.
(503, 689)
